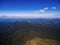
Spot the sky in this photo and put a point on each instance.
(30, 8)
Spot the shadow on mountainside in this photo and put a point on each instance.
(22, 33)
(31, 38)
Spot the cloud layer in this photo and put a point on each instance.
(41, 13)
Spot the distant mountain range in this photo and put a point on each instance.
(33, 20)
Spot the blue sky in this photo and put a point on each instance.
(30, 7)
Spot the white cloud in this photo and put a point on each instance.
(39, 11)
(45, 8)
(42, 10)
(53, 7)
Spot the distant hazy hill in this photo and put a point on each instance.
(32, 20)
